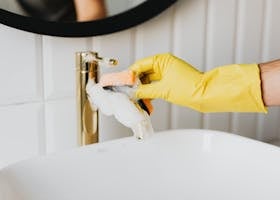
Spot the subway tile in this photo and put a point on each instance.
(118, 46)
(61, 125)
(20, 69)
(59, 65)
(21, 131)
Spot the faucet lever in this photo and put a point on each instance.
(94, 57)
(107, 61)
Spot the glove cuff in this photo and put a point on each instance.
(232, 88)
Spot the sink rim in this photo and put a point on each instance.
(130, 140)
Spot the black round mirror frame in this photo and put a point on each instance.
(122, 21)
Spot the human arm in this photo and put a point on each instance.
(88, 10)
(270, 79)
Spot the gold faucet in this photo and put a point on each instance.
(87, 67)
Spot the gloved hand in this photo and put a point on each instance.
(231, 88)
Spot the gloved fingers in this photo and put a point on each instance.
(148, 91)
(152, 64)
(154, 76)
(144, 65)
(148, 78)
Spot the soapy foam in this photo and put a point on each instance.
(120, 105)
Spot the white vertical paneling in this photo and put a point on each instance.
(271, 30)
(119, 46)
(20, 74)
(61, 125)
(268, 129)
(220, 48)
(249, 31)
(21, 127)
(248, 50)
(59, 65)
(189, 41)
(153, 37)
(269, 126)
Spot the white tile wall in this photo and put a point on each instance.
(60, 125)
(59, 65)
(21, 132)
(20, 72)
(37, 75)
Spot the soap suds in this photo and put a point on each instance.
(124, 109)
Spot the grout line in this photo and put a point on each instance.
(264, 31)
(21, 103)
(233, 117)
(43, 133)
(89, 43)
(206, 39)
(139, 48)
(41, 64)
(171, 108)
(260, 118)
(236, 42)
(36, 102)
(60, 99)
(205, 117)
(132, 55)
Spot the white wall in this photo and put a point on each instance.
(37, 75)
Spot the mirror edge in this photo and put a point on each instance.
(119, 22)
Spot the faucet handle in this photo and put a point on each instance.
(107, 61)
(94, 57)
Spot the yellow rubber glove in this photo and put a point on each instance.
(231, 88)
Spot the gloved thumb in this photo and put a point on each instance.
(148, 91)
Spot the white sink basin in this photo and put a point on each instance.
(175, 165)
